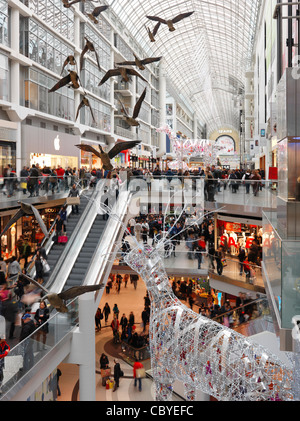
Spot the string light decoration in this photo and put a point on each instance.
(199, 352)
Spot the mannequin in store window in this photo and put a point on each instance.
(233, 236)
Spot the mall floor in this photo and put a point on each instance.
(128, 299)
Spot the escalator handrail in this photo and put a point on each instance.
(64, 265)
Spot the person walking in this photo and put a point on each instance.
(13, 268)
(41, 316)
(74, 192)
(117, 374)
(124, 322)
(116, 311)
(98, 318)
(218, 258)
(106, 311)
(28, 327)
(138, 375)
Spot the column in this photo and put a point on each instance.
(87, 378)
(162, 106)
(133, 102)
(77, 58)
(195, 126)
(15, 78)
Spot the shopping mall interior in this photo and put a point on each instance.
(149, 198)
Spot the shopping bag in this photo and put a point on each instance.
(23, 185)
(105, 372)
(73, 201)
(62, 239)
(224, 263)
(46, 267)
(140, 373)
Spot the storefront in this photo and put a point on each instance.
(8, 138)
(48, 148)
(232, 233)
(26, 226)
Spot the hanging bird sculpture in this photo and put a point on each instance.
(139, 63)
(58, 300)
(69, 60)
(26, 209)
(121, 71)
(72, 78)
(170, 22)
(132, 120)
(154, 32)
(84, 103)
(106, 157)
(68, 4)
(96, 12)
(89, 46)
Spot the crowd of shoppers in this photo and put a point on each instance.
(35, 180)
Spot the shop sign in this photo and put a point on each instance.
(233, 226)
(231, 242)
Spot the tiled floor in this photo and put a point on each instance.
(127, 300)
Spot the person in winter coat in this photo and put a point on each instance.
(117, 374)
(104, 362)
(106, 311)
(41, 316)
(241, 257)
(28, 327)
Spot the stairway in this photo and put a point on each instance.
(72, 221)
(81, 266)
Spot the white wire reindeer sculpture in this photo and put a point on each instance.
(197, 351)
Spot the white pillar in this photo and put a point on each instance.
(77, 58)
(15, 77)
(112, 87)
(133, 102)
(87, 378)
(162, 106)
(195, 125)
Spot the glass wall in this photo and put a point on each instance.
(59, 103)
(283, 270)
(4, 23)
(53, 12)
(4, 78)
(102, 25)
(42, 46)
(102, 47)
(122, 47)
(101, 113)
(91, 76)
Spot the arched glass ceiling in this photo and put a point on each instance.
(208, 53)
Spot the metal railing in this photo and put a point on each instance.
(24, 356)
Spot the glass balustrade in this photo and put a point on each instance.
(191, 263)
(282, 270)
(24, 356)
(245, 193)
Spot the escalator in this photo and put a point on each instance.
(73, 219)
(81, 266)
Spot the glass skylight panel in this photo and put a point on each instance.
(209, 47)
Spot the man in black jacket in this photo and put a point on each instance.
(117, 374)
(28, 327)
